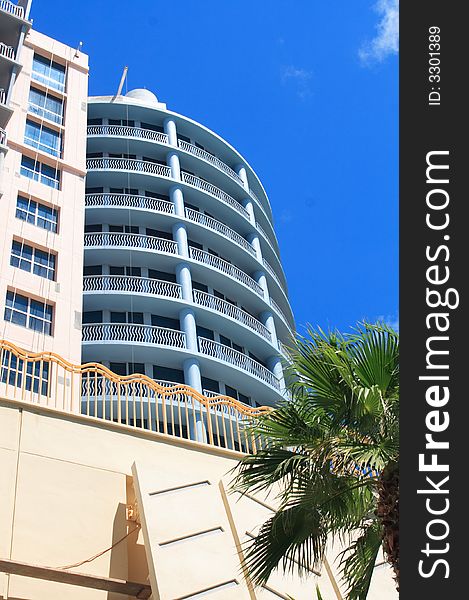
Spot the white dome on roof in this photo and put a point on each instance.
(143, 95)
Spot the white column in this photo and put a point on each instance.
(275, 365)
(248, 205)
(170, 130)
(261, 279)
(180, 236)
(241, 170)
(267, 319)
(184, 278)
(253, 239)
(172, 160)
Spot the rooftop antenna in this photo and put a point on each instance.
(79, 47)
(121, 84)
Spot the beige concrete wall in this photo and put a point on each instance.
(66, 292)
(64, 485)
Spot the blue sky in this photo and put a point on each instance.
(307, 91)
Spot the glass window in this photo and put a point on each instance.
(166, 322)
(48, 72)
(29, 313)
(27, 258)
(205, 333)
(40, 172)
(93, 270)
(167, 374)
(46, 106)
(93, 228)
(43, 138)
(210, 384)
(127, 368)
(14, 370)
(162, 275)
(92, 316)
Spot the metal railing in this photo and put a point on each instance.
(129, 201)
(267, 239)
(127, 283)
(218, 226)
(238, 359)
(270, 270)
(213, 190)
(7, 51)
(130, 240)
(133, 332)
(127, 164)
(236, 313)
(3, 96)
(12, 8)
(210, 158)
(223, 265)
(3, 137)
(277, 308)
(132, 401)
(125, 131)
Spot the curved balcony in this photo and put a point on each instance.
(128, 201)
(131, 165)
(219, 227)
(135, 285)
(232, 311)
(130, 240)
(214, 191)
(276, 250)
(139, 334)
(210, 158)
(238, 359)
(274, 275)
(222, 265)
(277, 308)
(130, 132)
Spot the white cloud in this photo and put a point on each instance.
(300, 78)
(391, 320)
(386, 41)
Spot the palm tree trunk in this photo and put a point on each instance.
(388, 514)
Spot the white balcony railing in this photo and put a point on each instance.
(127, 164)
(277, 308)
(210, 158)
(140, 334)
(130, 240)
(283, 351)
(7, 51)
(236, 313)
(124, 131)
(226, 267)
(213, 190)
(270, 270)
(129, 201)
(12, 8)
(240, 360)
(224, 230)
(127, 283)
(3, 137)
(275, 250)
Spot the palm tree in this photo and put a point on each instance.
(332, 452)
